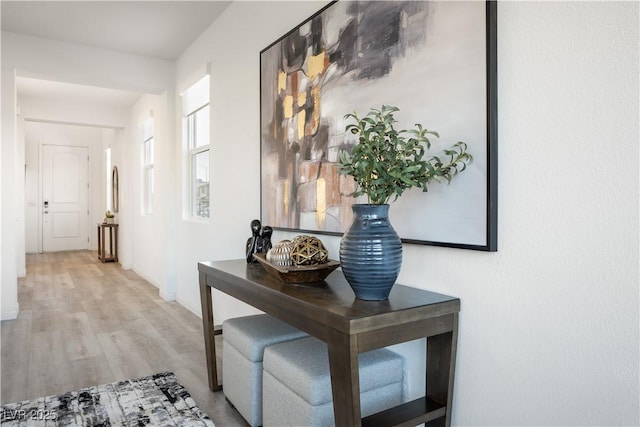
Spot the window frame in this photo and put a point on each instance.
(108, 178)
(148, 150)
(191, 125)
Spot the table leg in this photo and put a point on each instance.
(110, 242)
(99, 244)
(115, 243)
(345, 378)
(208, 330)
(441, 362)
(102, 253)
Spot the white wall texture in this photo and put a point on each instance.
(64, 111)
(48, 59)
(549, 324)
(152, 241)
(10, 218)
(4, 311)
(549, 327)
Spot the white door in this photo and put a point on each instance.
(65, 198)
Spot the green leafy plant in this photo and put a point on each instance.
(385, 162)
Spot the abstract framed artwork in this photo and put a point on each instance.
(435, 61)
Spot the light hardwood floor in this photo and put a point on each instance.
(83, 323)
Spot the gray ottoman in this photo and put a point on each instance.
(245, 339)
(297, 387)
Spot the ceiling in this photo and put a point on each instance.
(159, 29)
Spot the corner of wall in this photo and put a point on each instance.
(186, 304)
(11, 313)
(167, 295)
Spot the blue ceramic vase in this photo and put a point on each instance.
(371, 253)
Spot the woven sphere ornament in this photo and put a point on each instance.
(280, 254)
(308, 250)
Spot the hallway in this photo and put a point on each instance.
(84, 323)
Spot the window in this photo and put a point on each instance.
(196, 123)
(107, 156)
(198, 140)
(147, 167)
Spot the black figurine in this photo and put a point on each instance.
(253, 241)
(264, 243)
(260, 240)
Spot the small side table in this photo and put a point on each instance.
(112, 229)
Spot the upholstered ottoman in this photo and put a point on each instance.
(297, 386)
(244, 341)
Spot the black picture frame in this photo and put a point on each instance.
(298, 149)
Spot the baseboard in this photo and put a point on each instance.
(11, 314)
(135, 270)
(194, 310)
(167, 296)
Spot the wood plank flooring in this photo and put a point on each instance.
(83, 323)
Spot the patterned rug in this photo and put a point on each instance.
(157, 400)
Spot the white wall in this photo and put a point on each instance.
(549, 324)
(64, 111)
(563, 306)
(10, 219)
(83, 64)
(20, 162)
(4, 311)
(152, 238)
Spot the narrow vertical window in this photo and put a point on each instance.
(109, 189)
(197, 126)
(147, 167)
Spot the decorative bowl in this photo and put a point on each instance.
(297, 274)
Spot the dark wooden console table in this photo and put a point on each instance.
(348, 326)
